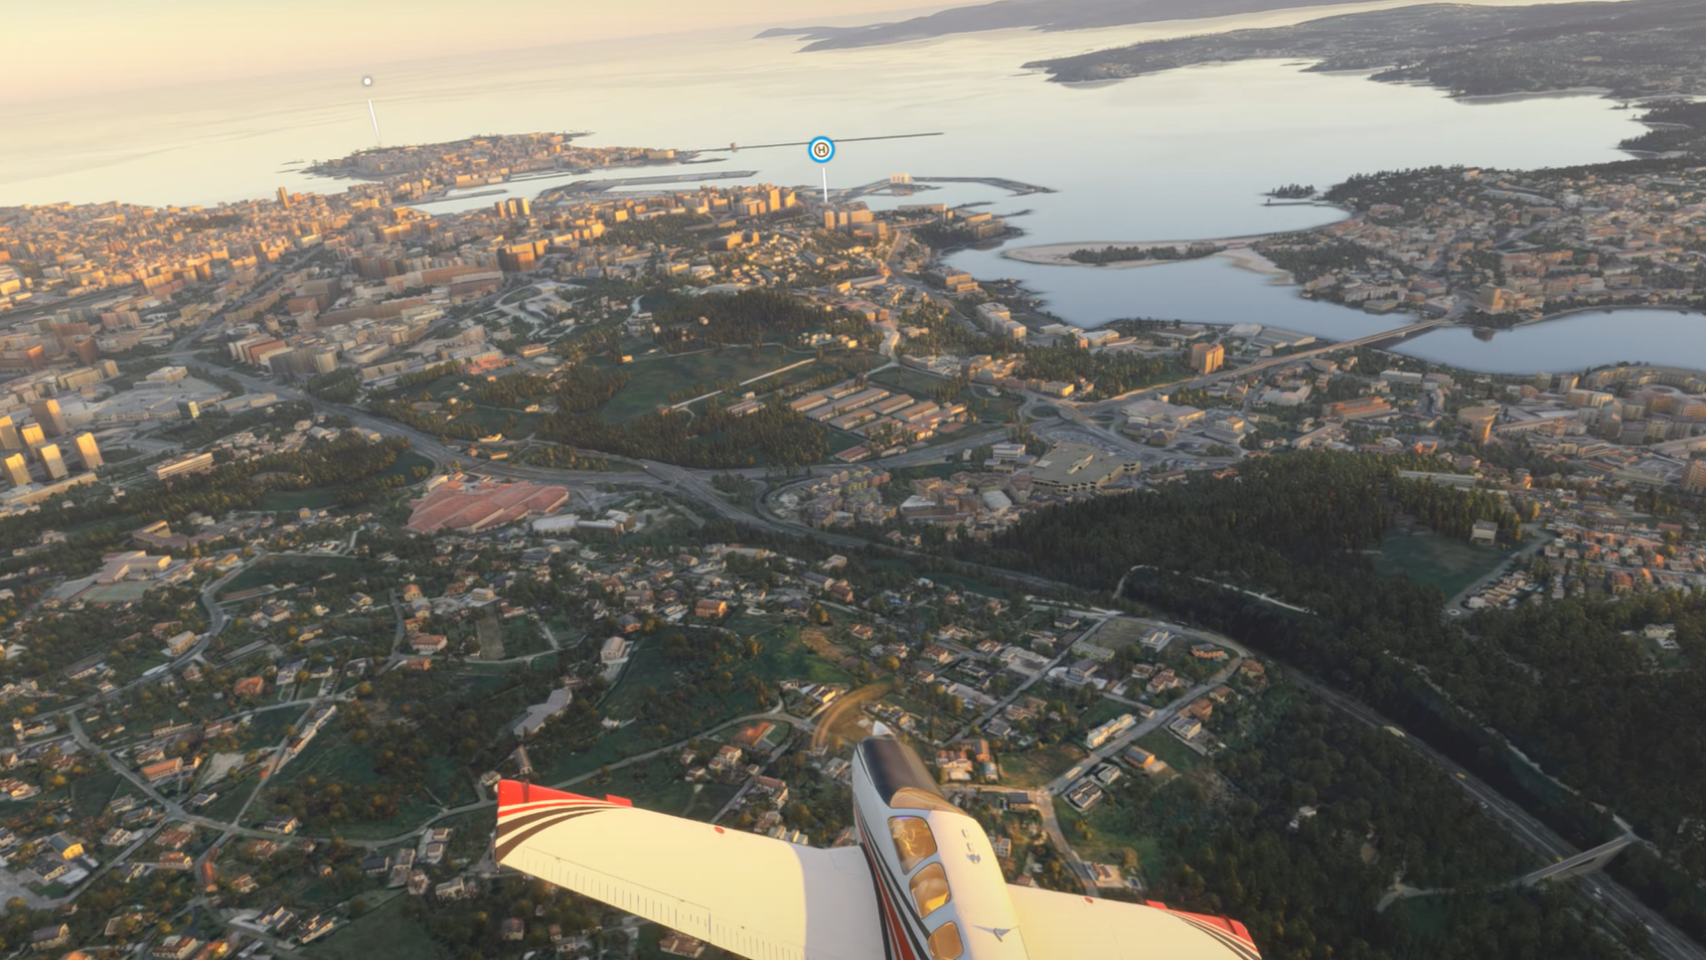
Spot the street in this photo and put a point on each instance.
(696, 485)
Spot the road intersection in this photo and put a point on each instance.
(697, 486)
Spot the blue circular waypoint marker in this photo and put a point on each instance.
(821, 149)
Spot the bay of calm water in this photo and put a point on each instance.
(1666, 338)
(1178, 155)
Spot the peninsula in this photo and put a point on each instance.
(1643, 48)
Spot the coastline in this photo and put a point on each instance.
(1577, 311)
(1240, 250)
(1518, 96)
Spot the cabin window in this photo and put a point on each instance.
(913, 841)
(945, 942)
(930, 889)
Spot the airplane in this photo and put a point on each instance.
(921, 883)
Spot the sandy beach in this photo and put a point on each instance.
(1240, 250)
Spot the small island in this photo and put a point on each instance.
(1129, 255)
(1112, 254)
(1293, 191)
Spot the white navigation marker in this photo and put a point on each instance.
(822, 150)
(368, 82)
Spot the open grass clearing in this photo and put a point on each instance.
(658, 785)
(1434, 560)
(1038, 766)
(1110, 833)
(300, 570)
(1170, 750)
(654, 377)
(385, 931)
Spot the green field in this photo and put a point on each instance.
(612, 746)
(89, 794)
(1437, 561)
(232, 796)
(646, 946)
(385, 931)
(405, 466)
(782, 655)
(1036, 767)
(522, 637)
(1111, 832)
(1170, 751)
(908, 379)
(964, 584)
(1119, 633)
(331, 758)
(657, 785)
(298, 570)
(266, 728)
(999, 409)
(839, 440)
(1101, 713)
(322, 498)
(653, 377)
(290, 501)
(492, 420)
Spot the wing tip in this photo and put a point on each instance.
(1227, 924)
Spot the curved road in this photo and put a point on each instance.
(1672, 943)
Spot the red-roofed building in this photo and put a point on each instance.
(753, 735)
(473, 507)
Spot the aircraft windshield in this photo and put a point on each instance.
(945, 942)
(913, 841)
(930, 889)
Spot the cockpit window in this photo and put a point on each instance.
(930, 889)
(913, 841)
(945, 942)
(912, 798)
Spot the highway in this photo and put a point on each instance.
(1666, 939)
(695, 484)
(1582, 863)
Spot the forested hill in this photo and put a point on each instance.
(1280, 525)
(1637, 48)
(1566, 681)
(1040, 14)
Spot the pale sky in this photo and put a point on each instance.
(61, 49)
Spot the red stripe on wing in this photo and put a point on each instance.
(514, 792)
(1225, 923)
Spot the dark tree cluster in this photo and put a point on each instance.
(1568, 682)
(1195, 251)
(1455, 512)
(1307, 886)
(712, 439)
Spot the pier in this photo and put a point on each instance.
(1018, 189)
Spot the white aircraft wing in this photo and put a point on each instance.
(1064, 926)
(761, 898)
